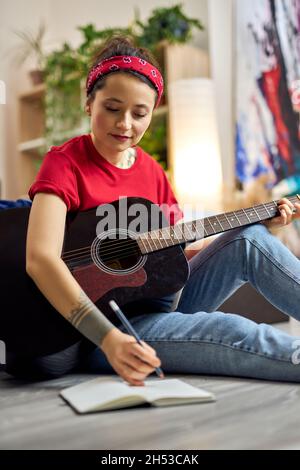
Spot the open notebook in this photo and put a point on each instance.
(108, 394)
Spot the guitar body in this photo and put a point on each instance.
(105, 267)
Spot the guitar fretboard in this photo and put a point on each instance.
(198, 229)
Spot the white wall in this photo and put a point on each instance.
(221, 41)
(62, 17)
(103, 14)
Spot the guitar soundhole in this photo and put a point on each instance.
(117, 252)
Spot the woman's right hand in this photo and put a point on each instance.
(129, 359)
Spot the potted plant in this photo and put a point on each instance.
(166, 26)
(32, 47)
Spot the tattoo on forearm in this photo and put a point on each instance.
(89, 320)
(83, 308)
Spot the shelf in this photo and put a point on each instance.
(34, 144)
(36, 92)
(31, 145)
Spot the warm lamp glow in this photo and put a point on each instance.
(194, 143)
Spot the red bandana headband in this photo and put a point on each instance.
(113, 64)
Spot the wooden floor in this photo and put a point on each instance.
(248, 414)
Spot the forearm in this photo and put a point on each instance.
(57, 284)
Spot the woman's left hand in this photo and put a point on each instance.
(288, 213)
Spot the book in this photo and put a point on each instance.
(109, 394)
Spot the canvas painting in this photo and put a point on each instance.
(267, 89)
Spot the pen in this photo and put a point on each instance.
(131, 330)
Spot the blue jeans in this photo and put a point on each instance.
(198, 339)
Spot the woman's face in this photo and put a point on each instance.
(120, 114)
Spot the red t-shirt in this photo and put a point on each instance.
(83, 179)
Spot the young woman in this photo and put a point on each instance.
(123, 88)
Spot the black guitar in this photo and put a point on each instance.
(139, 265)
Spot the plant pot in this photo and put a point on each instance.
(37, 76)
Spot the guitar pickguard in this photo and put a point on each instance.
(96, 282)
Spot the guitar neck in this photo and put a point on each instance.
(166, 237)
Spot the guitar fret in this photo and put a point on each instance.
(203, 228)
(220, 223)
(183, 232)
(216, 223)
(257, 214)
(164, 238)
(173, 240)
(178, 228)
(228, 221)
(159, 239)
(148, 239)
(266, 209)
(235, 214)
(190, 231)
(246, 215)
(206, 230)
(225, 222)
(198, 229)
(251, 214)
(165, 232)
(152, 240)
(210, 224)
(172, 235)
(164, 241)
(152, 244)
(146, 242)
(194, 226)
(275, 208)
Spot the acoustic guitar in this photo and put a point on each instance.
(137, 262)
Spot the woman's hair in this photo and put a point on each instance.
(116, 46)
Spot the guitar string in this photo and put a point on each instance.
(68, 255)
(129, 243)
(87, 259)
(125, 253)
(121, 255)
(223, 219)
(72, 254)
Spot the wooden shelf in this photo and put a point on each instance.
(31, 145)
(31, 134)
(36, 92)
